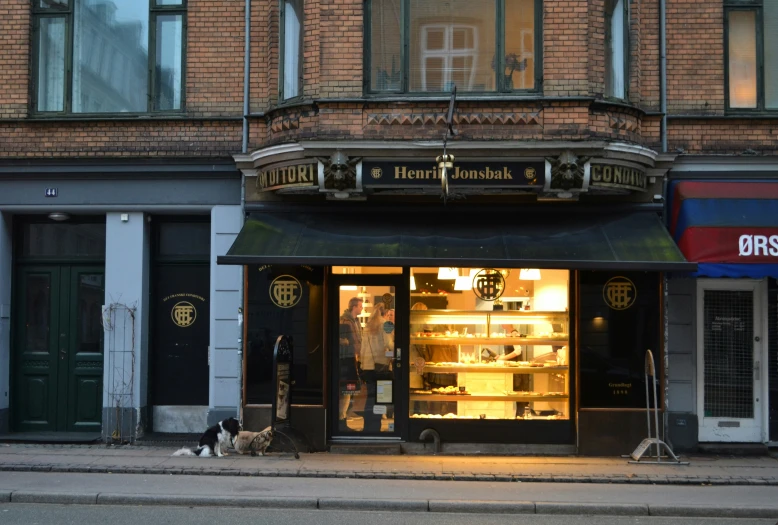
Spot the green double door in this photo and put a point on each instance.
(58, 348)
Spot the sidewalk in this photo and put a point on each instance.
(126, 459)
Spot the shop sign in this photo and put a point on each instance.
(615, 176)
(183, 313)
(285, 291)
(294, 176)
(619, 293)
(756, 245)
(485, 174)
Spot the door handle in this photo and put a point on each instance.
(397, 357)
(62, 353)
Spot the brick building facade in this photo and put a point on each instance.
(576, 86)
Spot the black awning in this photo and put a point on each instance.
(464, 238)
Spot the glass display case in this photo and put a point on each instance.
(511, 364)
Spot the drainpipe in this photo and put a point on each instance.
(244, 149)
(246, 70)
(662, 75)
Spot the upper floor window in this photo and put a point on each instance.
(108, 56)
(752, 55)
(617, 48)
(428, 46)
(291, 48)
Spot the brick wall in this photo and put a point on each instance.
(14, 57)
(565, 48)
(695, 56)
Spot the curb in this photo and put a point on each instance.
(207, 501)
(640, 479)
(395, 505)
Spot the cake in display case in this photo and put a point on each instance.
(511, 364)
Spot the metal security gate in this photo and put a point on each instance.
(730, 401)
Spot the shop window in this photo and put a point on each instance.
(285, 301)
(457, 43)
(752, 55)
(617, 48)
(292, 47)
(619, 319)
(124, 56)
(490, 344)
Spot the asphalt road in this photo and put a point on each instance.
(39, 514)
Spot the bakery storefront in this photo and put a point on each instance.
(516, 327)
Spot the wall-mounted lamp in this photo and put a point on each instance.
(59, 216)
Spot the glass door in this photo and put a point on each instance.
(368, 316)
(730, 357)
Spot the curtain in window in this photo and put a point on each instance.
(385, 45)
(110, 56)
(742, 59)
(292, 28)
(51, 64)
(168, 78)
(618, 58)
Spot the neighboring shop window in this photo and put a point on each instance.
(292, 48)
(617, 48)
(620, 319)
(123, 56)
(752, 54)
(453, 44)
(489, 344)
(285, 301)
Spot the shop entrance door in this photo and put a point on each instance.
(368, 320)
(730, 360)
(58, 349)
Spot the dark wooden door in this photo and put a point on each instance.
(58, 349)
(181, 334)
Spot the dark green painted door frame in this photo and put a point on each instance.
(58, 348)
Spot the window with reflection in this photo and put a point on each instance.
(124, 56)
(752, 55)
(455, 43)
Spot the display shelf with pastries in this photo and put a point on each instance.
(469, 352)
(494, 367)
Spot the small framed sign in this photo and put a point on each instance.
(51, 192)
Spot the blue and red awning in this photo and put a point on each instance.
(729, 228)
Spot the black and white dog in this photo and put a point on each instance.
(222, 434)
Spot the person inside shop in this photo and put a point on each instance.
(521, 382)
(374, 363)
(349, 352)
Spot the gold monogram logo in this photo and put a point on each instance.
(184, 314)
(488, 284)
(619, 293)
(285, 291)
(530, 173)
(376, 172)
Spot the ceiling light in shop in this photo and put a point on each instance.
(448, 273)
(529, 274)
(59, 216)
(463, 283)
(413, 283)
(348, 288)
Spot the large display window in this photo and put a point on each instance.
(489, 344)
